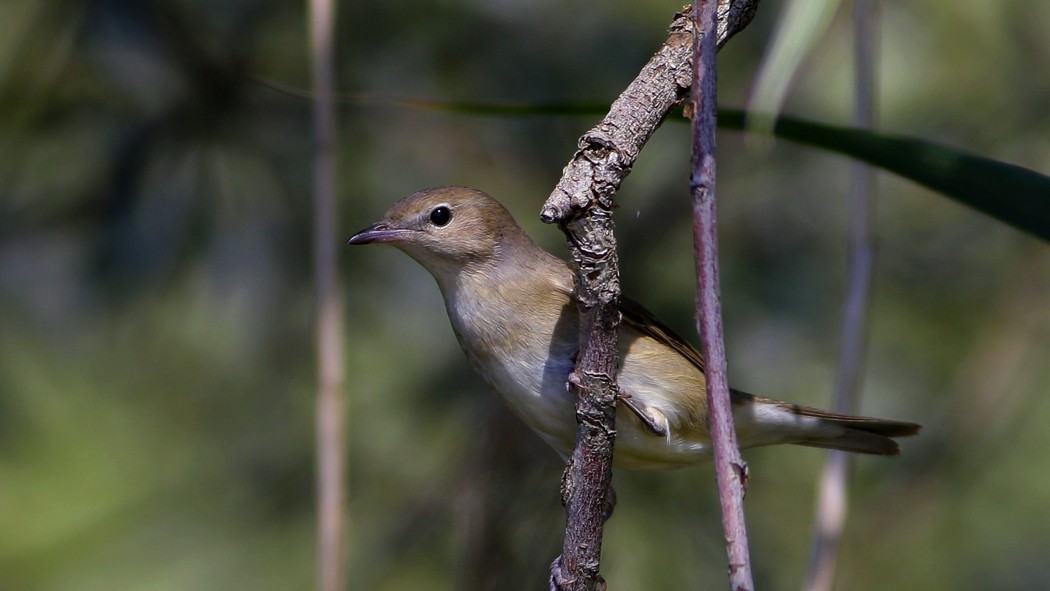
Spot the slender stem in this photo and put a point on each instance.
(730, 469)
(331, 411)
(833, 497)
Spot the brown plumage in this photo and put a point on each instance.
(510, 304)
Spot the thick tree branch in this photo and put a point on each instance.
(582, 204)
(730, 469)
(608, 151)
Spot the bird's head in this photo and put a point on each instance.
(446, 230)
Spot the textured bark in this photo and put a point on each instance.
(730, 469)
(582, 204)
(608, 151)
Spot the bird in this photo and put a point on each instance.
(512, 310)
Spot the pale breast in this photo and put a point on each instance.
(525, 352)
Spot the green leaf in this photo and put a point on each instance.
(1013, 194)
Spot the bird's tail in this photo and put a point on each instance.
(814, 427)
(865, 435)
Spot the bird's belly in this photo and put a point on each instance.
(530, 373)
(638, 449)
(542, 400)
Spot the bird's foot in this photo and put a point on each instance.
(560, 582)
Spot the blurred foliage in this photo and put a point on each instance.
(156, 363)
(1015, 195)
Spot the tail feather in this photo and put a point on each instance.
(861, 442)
(866, 435)
(884, 427)
(832, 430)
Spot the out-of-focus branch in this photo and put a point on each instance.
(730, 469)
(331, 411)
(582, 205)
(832, 496)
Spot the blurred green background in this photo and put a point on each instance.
(156, 351)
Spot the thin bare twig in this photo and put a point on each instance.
(582, 204)
(730, 469)
(331, 411)
(832, 498)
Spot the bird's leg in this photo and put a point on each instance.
(647, 420)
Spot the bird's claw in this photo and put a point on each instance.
(559, 582)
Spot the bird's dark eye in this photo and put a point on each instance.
(441, 215)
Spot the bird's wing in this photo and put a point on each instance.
(642, 320)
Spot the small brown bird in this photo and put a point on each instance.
(511, 307)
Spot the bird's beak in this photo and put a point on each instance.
(378, 232)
